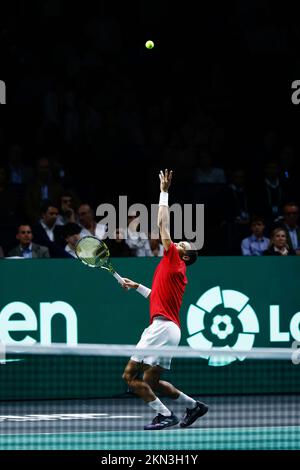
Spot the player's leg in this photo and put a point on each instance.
(194, 409)
(152, 376)
(137, 385)
(143, 388)
(164, 418)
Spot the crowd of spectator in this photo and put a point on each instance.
(84, 112)
(45, 218)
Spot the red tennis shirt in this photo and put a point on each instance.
(168, 286)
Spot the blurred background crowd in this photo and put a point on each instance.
(92, 115)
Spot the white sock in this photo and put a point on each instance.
(158, 406)
(185, 400)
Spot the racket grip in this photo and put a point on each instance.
(118, 277)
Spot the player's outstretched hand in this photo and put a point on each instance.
(165, 180)
(129, 284)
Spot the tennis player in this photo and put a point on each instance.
(168, 287)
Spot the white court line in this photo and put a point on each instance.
(63, 417)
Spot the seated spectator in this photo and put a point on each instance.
(278, 244)
(27, 249)
(207, 172)
(67, 208)
(42, 188)
(136, 240)
(71, 232)
(89, 224)
(289, 222)
(257, 243)
(271, 196)
(118, 246)
(47, 233)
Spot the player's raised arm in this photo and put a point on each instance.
(163, 220)
(143, 290)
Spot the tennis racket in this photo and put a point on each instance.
(95, 254)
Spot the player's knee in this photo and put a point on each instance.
(128, 375)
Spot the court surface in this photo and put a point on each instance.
(233, 422)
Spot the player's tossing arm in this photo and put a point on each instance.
(143, 290)
(163, 219)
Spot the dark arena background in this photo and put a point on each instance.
(88, 114)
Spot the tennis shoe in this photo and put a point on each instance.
(192, 414)
(160, 422)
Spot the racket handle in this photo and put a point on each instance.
(118, 277)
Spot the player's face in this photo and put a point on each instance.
(182, 247)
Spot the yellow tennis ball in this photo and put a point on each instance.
(149, 44)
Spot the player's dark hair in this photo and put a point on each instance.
(192, 254)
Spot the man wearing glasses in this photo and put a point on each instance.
(27, 249)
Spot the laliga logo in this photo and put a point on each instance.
(219, 314)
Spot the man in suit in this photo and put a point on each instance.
(48, 233)
(27, 249)
(289, 223)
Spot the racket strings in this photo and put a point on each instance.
(92, 251)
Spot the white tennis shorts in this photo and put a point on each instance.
(160, 333)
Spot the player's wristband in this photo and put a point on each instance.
(164, 199)
(143, 290)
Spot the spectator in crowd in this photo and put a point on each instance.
(26, 248)
(207, 172)
(47, 233)
(278, 244)
(137, 241)
(1, 252)
(88, 223)
(271, 195)
(289, 222)
(257, 243)
(43, 187)
(8, 200)
(71, 232)
(67, 208)
(118, 246)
